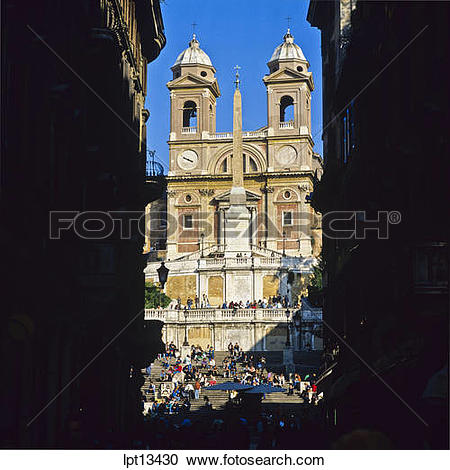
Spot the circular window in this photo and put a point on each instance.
(188, 198)
(203, 74)
(300, 69)
(287, 195)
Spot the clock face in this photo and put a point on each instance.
(286, 155)
(187, 160)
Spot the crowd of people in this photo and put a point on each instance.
(186, 378)
(273, 429)
(272, 302)
(194, 302)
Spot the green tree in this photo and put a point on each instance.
(315, 287)
(155, 297)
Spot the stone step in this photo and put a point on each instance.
(218, 398)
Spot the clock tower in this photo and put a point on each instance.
(289, 86)
(193, 93)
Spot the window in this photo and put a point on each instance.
(188, 221)
(430, 268)
(287, 218)
(224, 166)
(348, 133)
(203, 73)
(249, 164)
(286, 109)
(189, 114)
(188, 198)
(287, 195)
(300, 69)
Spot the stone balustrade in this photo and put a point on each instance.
(245, 135)
(206, 315)
(188, 130)
(254, 262)
(221, 135)
(239, 262)
(312, 316)
(287, 125)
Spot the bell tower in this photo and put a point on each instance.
(289, 85)
(193, 93)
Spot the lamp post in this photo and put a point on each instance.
(185, 342)
(298, 326)
(284, 242)
(163, 272)
(202, 237)
(288, 339)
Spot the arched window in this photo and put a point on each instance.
(249, 164)
(211, 118)
(189, 114)
(224, 166)
(286, 109)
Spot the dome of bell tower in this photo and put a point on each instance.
(193, 55)
(287, 51)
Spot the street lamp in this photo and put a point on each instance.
(202, 236)
(284, 242)
(163, 272)
(288, 339)
(185, 342)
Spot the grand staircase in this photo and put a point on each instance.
(307, 362)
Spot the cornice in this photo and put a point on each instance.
(257, 177)
(247, 140)
(118, 25)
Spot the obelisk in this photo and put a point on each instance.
(237, 161)
(237, 217)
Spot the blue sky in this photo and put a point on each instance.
(231, 32)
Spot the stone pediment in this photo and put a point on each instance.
(289, 75)
(249, 196)
(194, 81)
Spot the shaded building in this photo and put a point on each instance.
(74, 139)
(385, 140)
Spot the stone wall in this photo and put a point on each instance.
(275, 338)
(271, 284)
(182, 286)
(200, 335)
(215, 290)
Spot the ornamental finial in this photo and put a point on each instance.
(237, 81)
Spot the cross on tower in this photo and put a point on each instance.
(289, 22)
(194, 25)
(237, 81)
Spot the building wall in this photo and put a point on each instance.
(63, 149)
(283, 157)
(182, 287)
(373, 297)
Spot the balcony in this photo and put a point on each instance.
(245, 135)
(189, 130)
(221, 135)
(206, 315)
(287, 125)
(245, 262)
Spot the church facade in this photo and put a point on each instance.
(238, 228)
